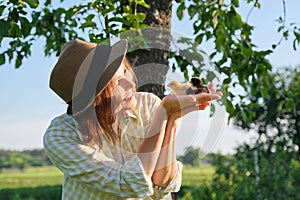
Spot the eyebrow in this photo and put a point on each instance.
(118, 77)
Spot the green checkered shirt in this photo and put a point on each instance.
(112, 172)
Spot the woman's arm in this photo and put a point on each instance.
(150, 148)
(157, 151)
(166, 165)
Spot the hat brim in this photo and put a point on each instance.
(114, 62)
(103, 61)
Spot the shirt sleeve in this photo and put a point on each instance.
(173, 186)
(92, 167)
(175, 183)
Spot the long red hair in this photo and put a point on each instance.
(95, 123)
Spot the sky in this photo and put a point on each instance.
(28, 105)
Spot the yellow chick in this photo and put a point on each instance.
(194, 86)
(179, 88)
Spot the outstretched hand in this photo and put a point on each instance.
(183, 104)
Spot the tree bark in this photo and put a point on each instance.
(151, 65)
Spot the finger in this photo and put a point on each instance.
(211, 87)
(205, 97)
(202, 106)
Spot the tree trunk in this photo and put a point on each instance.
(151, 65)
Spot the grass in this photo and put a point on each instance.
(30, 177)
(193, 176)
(50, 176)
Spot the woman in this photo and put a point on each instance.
(113, 142)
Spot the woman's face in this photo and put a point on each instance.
(124, 92)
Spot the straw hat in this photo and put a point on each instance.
(84, 69)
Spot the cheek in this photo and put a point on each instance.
(119, 93)
(133, 102)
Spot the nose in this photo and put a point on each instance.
(126, 83)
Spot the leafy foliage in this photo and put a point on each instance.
(192, 156)
(22, 26)
(42, 192)
(275, 115)
(268, 168)
(234, 55)
(254, 172)
(22, 159)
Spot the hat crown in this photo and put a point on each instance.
(79, 61)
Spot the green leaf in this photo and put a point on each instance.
(88, 24)
(212, 110)
(2, 58)
(280, 105)
(245, 117)
(257, 4)
(106, 11)
(2, 9)
(186, 75)
(233, 20)
(13, 1)
(211, 76)
(229, 108)
(25, 26)
(18, 62)
(140, 17)
(32, 3)
(180, 11)
(142, 3)
(290, 106)
(235, 3)
(126, 9)
(119, 19)
(264, 91)
(135, 24)
(14, 15)
(90, 17)
(199, 38)
(14, 30)
(192, 10)
(5, 26)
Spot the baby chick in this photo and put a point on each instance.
(179, 88)
(194, 86)
(197, 86)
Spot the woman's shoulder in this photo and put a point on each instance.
(62, 122)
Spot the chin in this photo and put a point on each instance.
(129, 105)
(132, 104)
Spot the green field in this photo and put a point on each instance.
(42, 176)
(197, 175)
(45, 183)
(30, 177)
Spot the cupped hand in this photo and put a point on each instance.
(187, 103)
